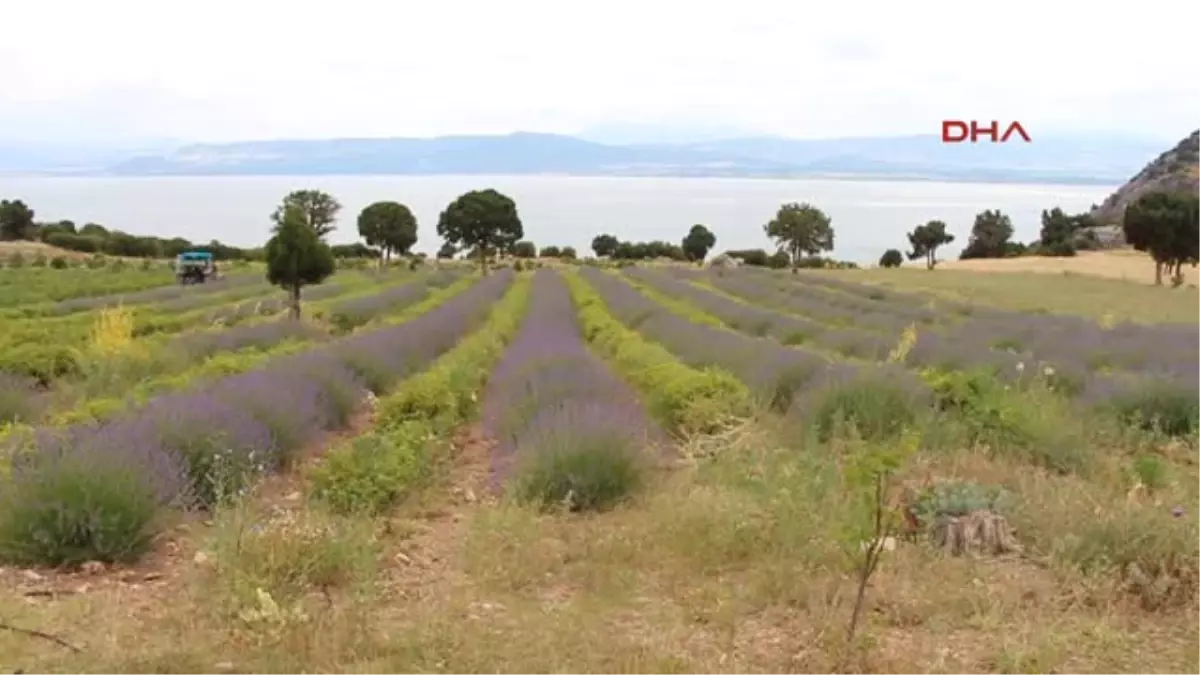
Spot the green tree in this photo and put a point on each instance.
(800, 228)
(16, 220)
(320, 210)
(482, 219)
(698, 242)
(605, 245)
(447, 251)
(1165, 225)
(525, 249)
(296, 256)
(990, 236)
(390, 226)
(550, 252)
(925, 240)
(892, 257)
(779, 260)
(568, 253)
(1058, 233)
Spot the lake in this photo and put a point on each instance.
(868, 216)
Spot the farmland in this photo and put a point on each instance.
(583, 467)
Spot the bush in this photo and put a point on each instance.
(40, 260)
(891, 258)
(58, 262)
(74, 508)
(1159, 407)
(877, 408)
(375, 470)
(590, 471)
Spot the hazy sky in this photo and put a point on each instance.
(223, 70)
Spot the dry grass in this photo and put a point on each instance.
(31, 249)
(1117, 285)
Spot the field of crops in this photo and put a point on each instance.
(585, 468)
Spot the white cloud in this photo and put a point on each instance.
(224, 70)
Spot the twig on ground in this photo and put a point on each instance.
(39, 634)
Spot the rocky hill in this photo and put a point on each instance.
(1175, 169)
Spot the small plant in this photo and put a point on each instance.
(374, 471)
(1151, 472)
(58, 262)
(40, 260)
(581, 470)
(16, 260)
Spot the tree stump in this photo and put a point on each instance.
(977, 533)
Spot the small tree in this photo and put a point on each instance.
(1165, 225)
(16, 220)
(447, 251)
(800, 228)
(525, 249)
(605, 245)
(990, 236)
(568, 253)
(892, 257)
(389, 225)
(296, 256)
(698, 242)
(925, 240)
(1058, 233)
(320, 210)
(483, 219)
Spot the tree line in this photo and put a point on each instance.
(1165, 225)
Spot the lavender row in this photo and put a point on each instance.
(162, 293)
(774, 373)
(197, 445)
(275, 304)
(786, 328)
(549, 393)
(354, 312)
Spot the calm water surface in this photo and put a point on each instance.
(868, 216)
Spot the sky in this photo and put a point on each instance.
(221, 70)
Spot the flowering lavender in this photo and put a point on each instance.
(771, 370)
(354, 312)
(199, 445)
(550, 401)
(203, 344)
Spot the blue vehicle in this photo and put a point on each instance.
(195, 267)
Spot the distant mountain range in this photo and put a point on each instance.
(1090, 159)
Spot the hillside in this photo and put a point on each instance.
(1175, 169)
(1095, 159)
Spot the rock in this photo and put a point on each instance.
(93, 567)
(469, 495)
(401, 557)
(201, 558)
(30, 575)
(294, 497)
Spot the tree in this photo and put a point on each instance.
(447, 251)
(892, 257)
(296, 256)
(989, 236)
(483, 219)
(389, 225)
(1058, 233)
(800, 228)
(568, 253)
(319, 208)
(698, 242)
(605, 245)
(925, 240)
(550, 252)
(779, 260)
(16, 220)
(525, 249)
(1165, 225)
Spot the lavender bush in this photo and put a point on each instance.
(555, 409)
(193, 447)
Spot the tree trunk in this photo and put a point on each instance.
(795, 262)
(929, 261)
(483, 259)
(295, 304)
(1158, 273)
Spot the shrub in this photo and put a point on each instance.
(16, 260)
(40, 260)
(877, 408)
(58, 262)
(891, 258)
(19, 401)
(589, 470)
(1160, 407)
(374, 471)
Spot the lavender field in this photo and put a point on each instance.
(593, 468)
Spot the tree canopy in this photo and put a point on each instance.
(296, 256)
(390, 226)
(698, 242)
(1167, 226)
(16, 220)
(447, 251)
(925, 240)
(892, 257)
(482, 219)
(604, 245)
(800, 229)
(525, 249)
(320, 210)
(990, 236)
